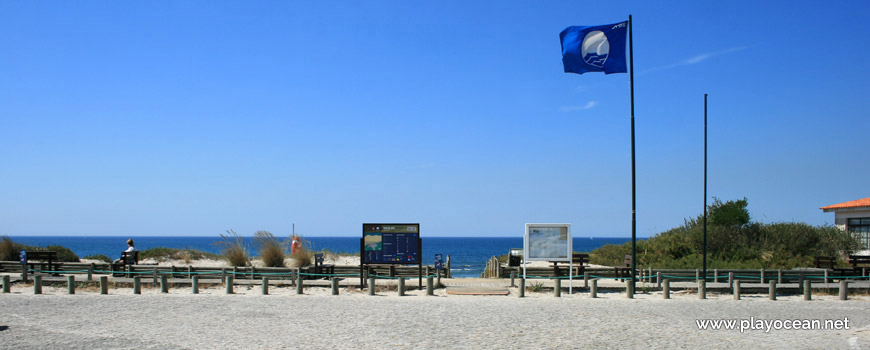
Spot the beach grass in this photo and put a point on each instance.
(271, 249)
(233, 249)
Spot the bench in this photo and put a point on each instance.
(579, 260)
(127, 259)
(320, 267)
(42, 255)
(623, 272)
(859, 263)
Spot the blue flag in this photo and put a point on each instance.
(594, 48)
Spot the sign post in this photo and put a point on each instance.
(549, 242)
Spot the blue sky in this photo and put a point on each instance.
(195, 117)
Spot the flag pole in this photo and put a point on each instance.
(633, 201)
(705, 187)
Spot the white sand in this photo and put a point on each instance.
(317, 320)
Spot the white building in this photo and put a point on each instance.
(853, 216)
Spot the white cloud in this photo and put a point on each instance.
(588, 105)
(696, 59)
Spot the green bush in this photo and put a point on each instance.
(9, 251)
(99, 257)
(186, 254)
(64, 254)
(733, 241)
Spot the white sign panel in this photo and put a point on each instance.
(548, 242)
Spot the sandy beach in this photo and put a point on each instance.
(318, 320)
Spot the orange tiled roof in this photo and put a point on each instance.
(864, 202)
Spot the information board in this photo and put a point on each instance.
(391, 244)
(547, 242)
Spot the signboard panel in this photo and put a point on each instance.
(391, 244)
(547, 242)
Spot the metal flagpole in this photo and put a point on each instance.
(705, 187)
(633, 201)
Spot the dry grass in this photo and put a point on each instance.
(305, 256)
(270, 248)
(233, 249)
(8, 249)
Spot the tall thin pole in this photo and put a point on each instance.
(705, 186)
(633, 201)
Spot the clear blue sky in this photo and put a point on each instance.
(194, 117)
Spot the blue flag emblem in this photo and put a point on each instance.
(594, 48)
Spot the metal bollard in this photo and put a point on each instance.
(229, 283)
(6, 284)
(401, 286)
(521, 292)
(771, 290)
(593, 291)
(702, 289)
(37, 284)
(371, 286)
(430, 290)
(557, 288)
(104, 285)
(71, 284)
(808, 290)
(299, 284)
(137, 285)
(265, 290)
(844, 290)
(737, 290)
(194, 284)
(666, 288)
(164, 284)
(334, 286)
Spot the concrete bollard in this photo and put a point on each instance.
(164, 284)
(702, 289)
(429, 288)
(371, 286)
(265, 288)
(194, 285)
(229, 283)
(522, 290)
(334, 286)
(629, 289)
(71, 284)
(844, 290)
(666, 288)
(736, 291)
(299, 284)
(6, 284)
(593, 290)
(808, 290)
(557, 288)
(771, 290)
(137, 285)
(104, 285)
(401, 286)
(37, 284)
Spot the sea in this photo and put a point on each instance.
(468, 255)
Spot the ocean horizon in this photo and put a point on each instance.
(468, 254)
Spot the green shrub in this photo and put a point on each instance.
(734, 242)
(270, 248)
(64, 254)
(186, 254)
(99, 257)
(8, 249)
(233, 249)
